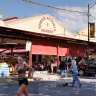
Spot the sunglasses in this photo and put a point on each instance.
(19, 59)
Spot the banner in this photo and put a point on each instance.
(92, 30)
(28, 45)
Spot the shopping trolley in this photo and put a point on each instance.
(61, 82)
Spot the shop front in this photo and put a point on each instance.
(49, 40)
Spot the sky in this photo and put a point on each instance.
(72, 21)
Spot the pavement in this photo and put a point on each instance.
(45, 85)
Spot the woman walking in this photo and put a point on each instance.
(21, 69)
(73, 67)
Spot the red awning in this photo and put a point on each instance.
(44, 46)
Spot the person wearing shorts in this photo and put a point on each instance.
(21, 68)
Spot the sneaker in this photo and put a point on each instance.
(66, 84)
(80, 85)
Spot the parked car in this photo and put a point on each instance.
(87, 68)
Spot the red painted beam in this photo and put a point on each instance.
(57, 57)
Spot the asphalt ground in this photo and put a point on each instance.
(41, 87)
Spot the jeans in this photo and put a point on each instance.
(75, 78)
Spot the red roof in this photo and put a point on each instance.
(7, 19)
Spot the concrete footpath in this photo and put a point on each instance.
(45, 85)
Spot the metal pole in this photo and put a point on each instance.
(88, 36)
(57, 44)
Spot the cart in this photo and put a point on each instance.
(61, 81)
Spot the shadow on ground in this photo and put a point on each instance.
(47, 88)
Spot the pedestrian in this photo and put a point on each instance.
(73, 67)
(55, 66)
(52, 62)
(66, 64)
(21, 68)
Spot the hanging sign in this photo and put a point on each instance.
(92, 30)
